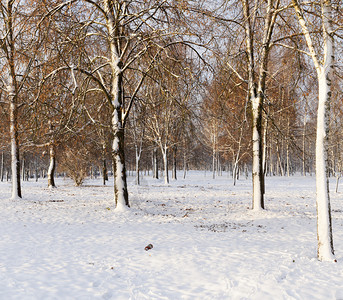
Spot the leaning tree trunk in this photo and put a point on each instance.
(52, 166)
(15, 162)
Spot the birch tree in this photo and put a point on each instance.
(125, 32)
(19, 43)
(227, 96)
(258, 22)
(137, 131)
(168, 100)
(257, 91)
(323, 60)
(53, 118)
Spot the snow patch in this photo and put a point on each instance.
(207, 242)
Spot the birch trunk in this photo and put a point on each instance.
(234, 175)
(2, 166)
(304, 140)
(287, 149)
(120, 185)
(165, 163)
(52, 166)
(257, 167)
(325, 240)
(279, 162)
(138, 157)
(324, 73)
(118, 156)
(257, 90)
(174, 176)
(23, 168)
(264, 157)
(303, 150)
(121, 197)
(184, 163)
(214, 157)
(15, 163)
(155, 163)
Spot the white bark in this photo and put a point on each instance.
(165, 163)
(287, 150)
(15, 163)
(214, 150)
(257, 89)
(120, 188)
(264, 155)
(51, 170)
(325, 241)
(174, 171)
(257, 156)
(214, 163)
(338, 176)
(324, 73)
(184, 163)
(138, 157)
(303, 138)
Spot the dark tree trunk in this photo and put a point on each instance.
(155, 164)
(104, 171)
(174, 163)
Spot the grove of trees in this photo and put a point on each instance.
(92, 87)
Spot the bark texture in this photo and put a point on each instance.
(52, 166)
(324, 71)
(15, 162)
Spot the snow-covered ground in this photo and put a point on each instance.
(69, 243)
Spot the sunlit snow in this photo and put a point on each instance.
(70, 243)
